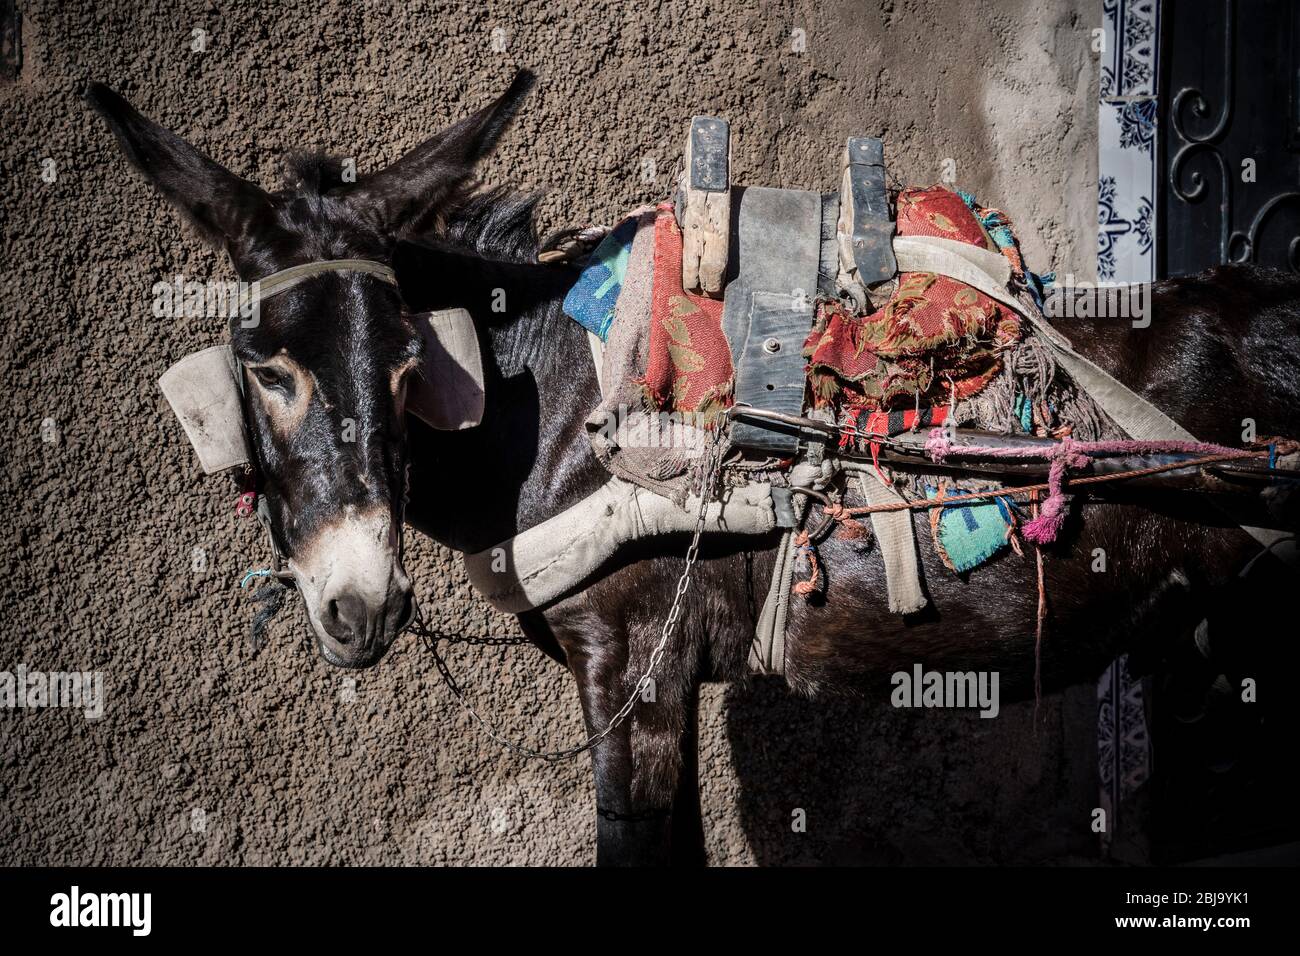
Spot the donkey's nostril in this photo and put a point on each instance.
(347, 618)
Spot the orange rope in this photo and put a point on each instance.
(804, 543)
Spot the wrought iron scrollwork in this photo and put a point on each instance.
(1205, 143)
(1248, 241)
(1200, 144)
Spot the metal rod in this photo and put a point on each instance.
(906, 451)
(794, 421)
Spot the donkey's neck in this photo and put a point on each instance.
(530, 458)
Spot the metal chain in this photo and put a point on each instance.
(713, 465)
(486, 640)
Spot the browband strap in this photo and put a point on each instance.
(286, 279)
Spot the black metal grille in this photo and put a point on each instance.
(1230, 135)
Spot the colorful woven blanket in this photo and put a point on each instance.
(592, 299)
(935, 340)
(967, 535)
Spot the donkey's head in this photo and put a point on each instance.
(327, 364)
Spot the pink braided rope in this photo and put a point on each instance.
(1062, 456)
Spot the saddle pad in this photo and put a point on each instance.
(937, 338)
(630, 437)
(689, 369)
(940, 212)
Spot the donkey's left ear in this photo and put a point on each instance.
(407, 194)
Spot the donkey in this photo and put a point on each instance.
(1221, 347)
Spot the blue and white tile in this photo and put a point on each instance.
(1130, 63)
(1126, 235)
(1126, 190)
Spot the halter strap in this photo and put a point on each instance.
(286, 279)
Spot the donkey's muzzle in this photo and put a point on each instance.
(356, 592)
(358, 629)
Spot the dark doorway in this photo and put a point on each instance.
(1229, 141)
(1229, 135)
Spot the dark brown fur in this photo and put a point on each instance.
(1172, 562)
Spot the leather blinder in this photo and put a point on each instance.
(204, 393)
(448, 394)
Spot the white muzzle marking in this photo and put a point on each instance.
(357, 556)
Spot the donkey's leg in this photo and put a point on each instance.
(688, 820)
(638, 766)
(639, 782)
(628, 832)
(647, 794)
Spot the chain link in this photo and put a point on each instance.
(486, 640)
(431, 637)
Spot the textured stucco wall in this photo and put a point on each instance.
(287, 762)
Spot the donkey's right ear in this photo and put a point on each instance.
(220, 204)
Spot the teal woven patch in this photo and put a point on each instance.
(592, 299)
(968, 535)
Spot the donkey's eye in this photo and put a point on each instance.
(272, 378)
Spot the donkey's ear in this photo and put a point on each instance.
(406, 194)
(220, 204)
(434, 274)
(431, 276)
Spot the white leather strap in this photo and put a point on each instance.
(982, 269)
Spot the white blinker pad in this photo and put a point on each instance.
(204, 393)
(448, 394)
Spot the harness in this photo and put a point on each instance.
(787, 248)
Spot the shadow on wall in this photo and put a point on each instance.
(879, 786)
